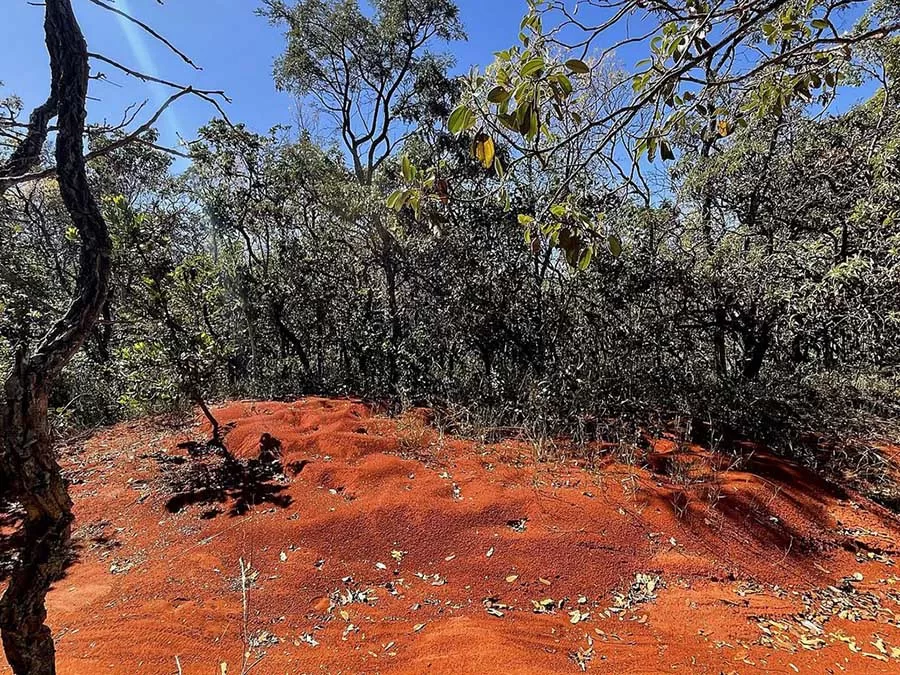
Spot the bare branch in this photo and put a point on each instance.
(148, 29)
(134, 136)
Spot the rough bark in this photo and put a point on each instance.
(27, 154)
(27, 463)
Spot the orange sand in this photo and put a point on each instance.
(431, 527)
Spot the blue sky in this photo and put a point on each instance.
(234, 47)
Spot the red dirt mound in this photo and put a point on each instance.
(386, 547)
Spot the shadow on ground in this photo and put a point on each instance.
(213, 477)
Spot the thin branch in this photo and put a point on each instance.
(134, 136)
(151, 78)
(149, 30)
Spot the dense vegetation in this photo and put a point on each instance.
(755, 285)
(561, 243)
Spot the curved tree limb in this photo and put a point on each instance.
(27, 461)
(28, 152)
(134, 136)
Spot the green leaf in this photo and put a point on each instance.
(578, 66)
(498, 167)
(407, 168)
(639, 82)
(586, 258)
(399, 199)
(558, 210)
(498, 95)
(665, 151)
(525, 220)
(641, 148)
(526, 119)
(533, 66)
(509, 121)
(615, 245)
(461, 120)
(534, 125)
(393, 197)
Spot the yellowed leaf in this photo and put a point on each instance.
(484, 150)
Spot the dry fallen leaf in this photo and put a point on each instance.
(545, 606)
(511, 578)
(880, 657)
(576, 616)
(418, 627)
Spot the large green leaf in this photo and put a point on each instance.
(461, 119)
(578, 66)
(533, 66)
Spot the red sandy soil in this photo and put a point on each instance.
(762, 567)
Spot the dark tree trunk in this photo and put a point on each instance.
(719, 351)
(37, 483)
(103, 334)
(213, 422)
(27, 462)
(387, 258)
(250, 319)
(756, 344)
(287, 336)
